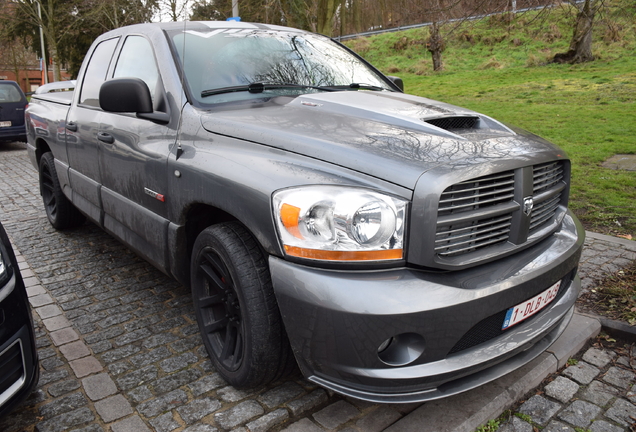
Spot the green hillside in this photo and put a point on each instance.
(498, 66)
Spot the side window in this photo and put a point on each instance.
(96, 71)
(136, 60)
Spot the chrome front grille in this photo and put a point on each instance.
(479, 214)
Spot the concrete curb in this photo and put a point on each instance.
(619, 329)
(627, 244)
(467, 411)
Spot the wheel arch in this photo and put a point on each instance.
(41, 147)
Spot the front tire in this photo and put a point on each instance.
(236, 308)
(59, 210)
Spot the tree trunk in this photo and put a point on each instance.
(326, 11)
(435, 45)
(581, 45)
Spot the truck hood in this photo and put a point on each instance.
(383, 134)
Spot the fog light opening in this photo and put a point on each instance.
(401, 349)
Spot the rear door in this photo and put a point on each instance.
(82, 125)
(133, 160)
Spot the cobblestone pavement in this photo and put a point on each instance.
(595, 394)
(119, 345)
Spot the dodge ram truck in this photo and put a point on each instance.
(394, 248)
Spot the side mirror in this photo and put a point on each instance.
(125, 95)
(397, 81)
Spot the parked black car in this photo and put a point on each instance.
(19, 371)
(12, 105)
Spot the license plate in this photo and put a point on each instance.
(530, 307)
(5, 124)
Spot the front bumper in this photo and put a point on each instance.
(446, 325)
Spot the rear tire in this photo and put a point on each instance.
(236, 309)
(59, 210)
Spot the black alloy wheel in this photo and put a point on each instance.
(220, 310)
(236, 309)
(59, 210)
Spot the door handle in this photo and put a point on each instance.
(105, 137)
(71, 126)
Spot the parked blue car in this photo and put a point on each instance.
(12, 105)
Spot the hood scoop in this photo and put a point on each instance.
(455, 124)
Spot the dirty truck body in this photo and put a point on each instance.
(396, 248)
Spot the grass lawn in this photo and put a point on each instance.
(498, 67)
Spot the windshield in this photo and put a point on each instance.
(220, 64)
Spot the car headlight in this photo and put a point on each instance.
(334, 223)
(4, 269)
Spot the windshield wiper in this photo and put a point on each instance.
(259, 87)
(359, 86)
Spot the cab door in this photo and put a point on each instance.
(82, 124)
(133, 161)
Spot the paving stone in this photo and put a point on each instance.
(336, 414)
(101, 347)
(120, 353)
(75, 350)
(582, 372)
(51, 363)
(164, 423)
(47, 377)
(149, 357)
(539, 409)
(175, 380)
(140, 394)
(599, 393)
(379, 419)
(63, 336)
(562, 389)
(631, 395)
(133, 336)
(597, 357)
(603, 426)
(137, 377)
(179, 362)
(619, 377)
(515, 424)
(556, 426)
(187, 344)
(67, 420)
(268, 421)
(91, 428)
(35, 290)
(48, 311)
(622, 412)
(40, 300)
(307, 402)
(198, 409)
(230, 394)
(62, 405)
(580, 413)
(119, 368)
(131, 424)
(46, 353)
(239, 414)
(206, 384)
(58, 389)
(85, 366)
(99, 386)
(201, 428)
(281, 394)
(113, 408)
(154, 407)
(304, 425)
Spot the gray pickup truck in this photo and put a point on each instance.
(395, 248)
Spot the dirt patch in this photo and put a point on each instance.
(626, 162)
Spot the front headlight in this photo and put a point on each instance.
(4, 269)
(334, 223)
